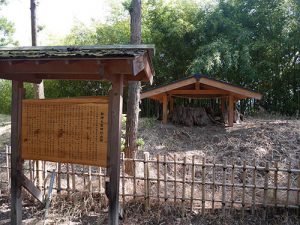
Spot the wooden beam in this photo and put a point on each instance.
(29, 79)
(198, 92)
(165, 109)
(230, 111)
(16, 162)
(77, 68)
(32, 189)
(231, 88)
(167, 88)
(114, 148)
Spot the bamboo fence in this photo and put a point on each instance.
(192, 183)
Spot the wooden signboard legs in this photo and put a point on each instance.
(114, 148)
(16, 162)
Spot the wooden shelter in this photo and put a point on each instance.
(117, 64)
(200, 87)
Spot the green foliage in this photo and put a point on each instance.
(5, 95)
(140, 142)
(6, 29)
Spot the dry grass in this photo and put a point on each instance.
(262, 139)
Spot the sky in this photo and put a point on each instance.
(57, 16)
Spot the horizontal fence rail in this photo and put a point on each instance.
(193, 183)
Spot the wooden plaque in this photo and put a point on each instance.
(66, 130)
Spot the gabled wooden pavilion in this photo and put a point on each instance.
(200, 87)
(117, 64)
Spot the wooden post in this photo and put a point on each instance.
(16, 162)
(114, 148)
(223, 105)
(230, 111)
(165, 109)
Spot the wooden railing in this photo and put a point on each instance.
(192, 183)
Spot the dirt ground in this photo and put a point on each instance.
(263, 139)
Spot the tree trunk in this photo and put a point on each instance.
(37, 88)
(134, 88)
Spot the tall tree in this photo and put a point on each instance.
(134, 87)
(38, 88)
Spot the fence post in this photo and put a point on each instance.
(266, 183)
(123, 177)
(203, 185)
(165, 179)
(7, 165)
(224, 186)
(90, 180)
(244, 186)
(213, 184)
(253, 208)
(193, 182)
(73, 178)
(183, 186)
(68, 179)
(134, 175)
(58, 178)
(275, 183)
(175, 180)
(298, 192)
(232, 185)
(146, 179)
(288, 185)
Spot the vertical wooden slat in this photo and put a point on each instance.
(175, 180)
(253, 208)
(203, 185)
(44, 165)
(7, 166)
(100, 180)
(193, 182)
(165, 179)
(16, 162)
(288, 185)
(30, 171)
(165, 109)
(90, 180)
(146, 179)
(68, 178)
(232, 185)
(183, 186)
(58, 183)
(244, 188)
(298, 192)
(73, 178)
(123, 178)
(83, 176)
(134, 175)
(276, 184)
(213, 184)
(158, 177)
(266, 183)
(224, 186)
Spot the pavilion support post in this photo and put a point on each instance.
(114, 148)
(230, 110)
(222, 105)
(16, 162)
(165, 109)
